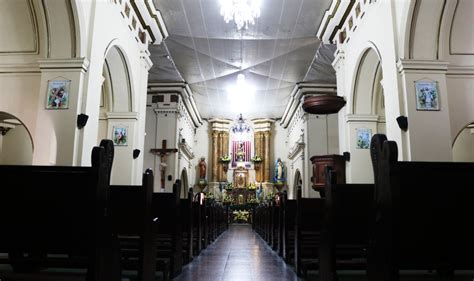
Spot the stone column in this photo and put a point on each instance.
(266, 162)
(58, 141)
(220, 141)
(225, 150)
(215, 159)
(430, 130)
(258, 151)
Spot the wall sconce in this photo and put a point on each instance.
(82, 120)
(136, 153)
(4, 130)
(402, 122)
(347, 156)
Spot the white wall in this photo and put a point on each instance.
(31, 56)
(413, 41)
(16, 147)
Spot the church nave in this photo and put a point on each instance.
(238, 254)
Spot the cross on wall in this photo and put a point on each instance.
(163, 152)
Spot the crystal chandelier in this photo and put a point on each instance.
(243, 12)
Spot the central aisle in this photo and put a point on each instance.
(239, 254)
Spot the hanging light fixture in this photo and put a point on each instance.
(243, 12)
(241, 94)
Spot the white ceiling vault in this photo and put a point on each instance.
(280, 50)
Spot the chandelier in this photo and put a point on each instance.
(243, 12)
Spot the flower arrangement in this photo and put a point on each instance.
(253, 201)
(229, 185)
(225, 158)
(241, 216)
(227, 199)
(252, 186)
(256, 159)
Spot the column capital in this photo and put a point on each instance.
(75, 64)
(417, 66)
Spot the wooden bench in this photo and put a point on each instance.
(130, 209)
(348, 214)
(424, 212)
(288, 228)
(55, 216)
(169, 240)
(309, 215)
(187, 220)
(197, 224)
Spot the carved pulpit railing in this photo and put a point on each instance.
(163, 152)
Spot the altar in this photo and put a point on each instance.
(241, 177)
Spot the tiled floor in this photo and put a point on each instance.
(239, 254)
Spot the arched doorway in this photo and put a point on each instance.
(16, 143)
(463, 146)
(367, 116)
(184, 184)
(297, 181)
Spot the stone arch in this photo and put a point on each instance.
(366, 82)
(116, 71)
(367, 114)
(463, 144)
(16, 142)
(115, 113)
(184, 184)
(39, 26)
(439, 30)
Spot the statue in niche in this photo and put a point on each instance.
(202, 168)
(279, 171)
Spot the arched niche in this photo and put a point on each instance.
(463, 146)
(16, 143)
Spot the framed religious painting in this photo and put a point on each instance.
(120, 136)
(427, 95)
(57, 96)
(363, 136)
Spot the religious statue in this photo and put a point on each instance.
(259, 192)
(202, 168)
(163, 166)
(279, 171)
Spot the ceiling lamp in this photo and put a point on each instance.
(243, 12)
(241, 94)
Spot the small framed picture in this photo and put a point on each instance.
(363, 136)
(57, 96)
(120, 136)
(427, 97)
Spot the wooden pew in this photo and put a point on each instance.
(165, 207)
(197, 224)
(288, 228)
(423, 211)
(309, 215)
(130, 209)
(276, 224)
(187, 220)
(55, 216)
(348, 214)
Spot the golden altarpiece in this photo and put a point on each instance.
(240, 157)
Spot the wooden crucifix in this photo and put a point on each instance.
(163, 152)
